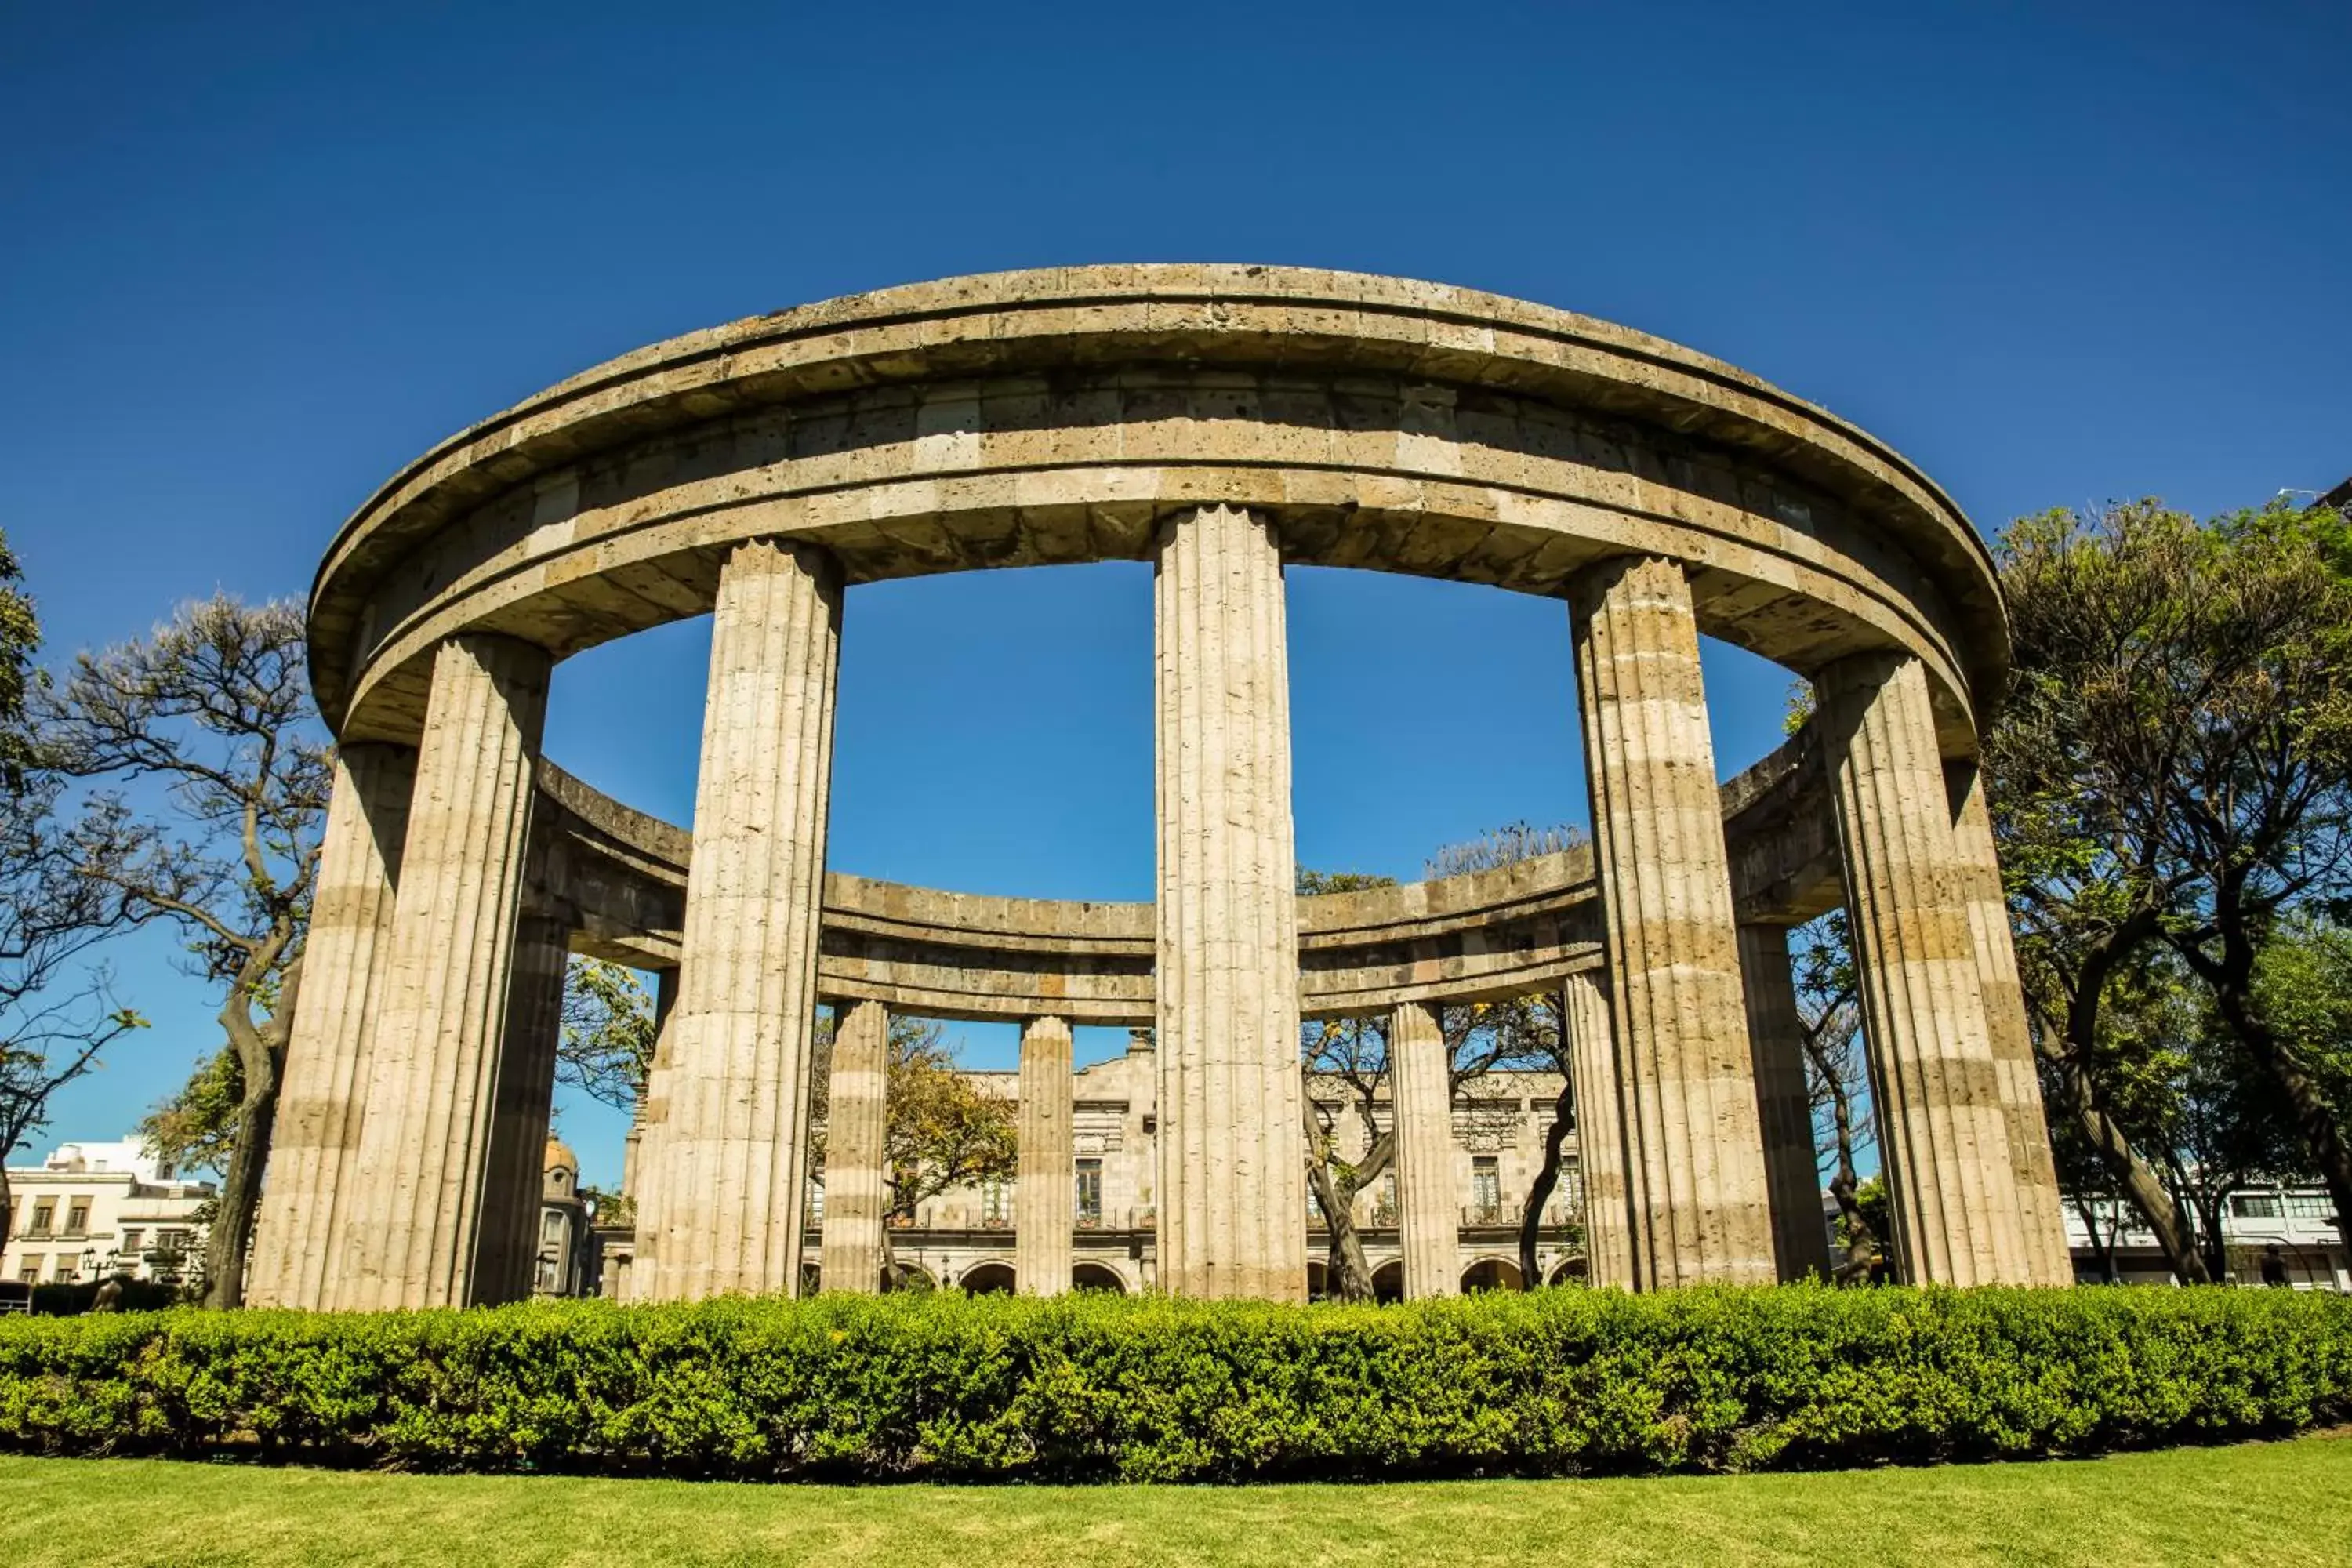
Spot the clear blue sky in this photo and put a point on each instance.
(251, 262)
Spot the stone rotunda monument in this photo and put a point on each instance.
(1221, 423)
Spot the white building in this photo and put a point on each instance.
(89, 1210)
(2297, 1220)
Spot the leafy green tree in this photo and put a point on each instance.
(57, 1012)
(606, 1047)
(2171, 770)
(210, 719)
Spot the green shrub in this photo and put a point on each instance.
(1555, 1383)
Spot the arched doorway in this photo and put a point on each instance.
(1570, 1271)
(987, 1279)
(1096, 1277)
(1490, 1274)
(1388, 1282)
(913, 1278)
(1318, 1282)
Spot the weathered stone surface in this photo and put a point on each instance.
(1791, 1169)
(1233, 1184)
(2040, 1216)
(1422, 1081)
(725, 1153)
(1695, 1160)
(1600, 1129)
(1942, 1125)
(1218, 421)
(506, 1249)
(856, 1139)
(1058, 415)
(313, 1182)
(434, 1056)
(1045, 1198)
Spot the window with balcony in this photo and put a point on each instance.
(996, 1203)
(1090, 1193)
(28, 1271)
(78, 1219)
(68, 1268)
(132, 1237)
(45, 1214)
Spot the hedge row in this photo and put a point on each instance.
(1557, 1383)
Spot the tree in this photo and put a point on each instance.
(606, 1047)
(1837, 1077)
(56, 1014)
(2172, 769)
(212, 711)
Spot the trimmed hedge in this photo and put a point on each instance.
(1555, 1383)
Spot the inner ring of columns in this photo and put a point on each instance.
(1221, 422)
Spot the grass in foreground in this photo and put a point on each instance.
(2273, 1503)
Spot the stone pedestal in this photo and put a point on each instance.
(1232, 1184)
(725, 1144)
(1045, 1198)
(425, 1149)
(298, 1237)
(1423, 1084)
(1943, 1132)
(507, 1253)
(2041, 1212)
(856, 1139)
(1775, 1036)
(1600, 1129)
(1696, 1190)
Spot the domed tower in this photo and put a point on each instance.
(562, 1225)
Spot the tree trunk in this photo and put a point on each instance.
(1546, 1178)
(240, 1189)
(2133, 1174)
(1347, 1276)
(7, 1203)
(2103, 1251)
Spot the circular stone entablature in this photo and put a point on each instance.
(1058, 415)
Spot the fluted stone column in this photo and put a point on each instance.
(2040, 1211)
(1044, 1197)
(507, 1255)
(857, 1132)
(725, 1148)
(1696, 1190)
(425, 1150)
(1599, 1130)
(1231, 1183)
(1423, 1091)
(1943, 1130)
(1775, 1036)
(298, 1237)
(665, 1003)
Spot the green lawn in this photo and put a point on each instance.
(2273, 1503)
